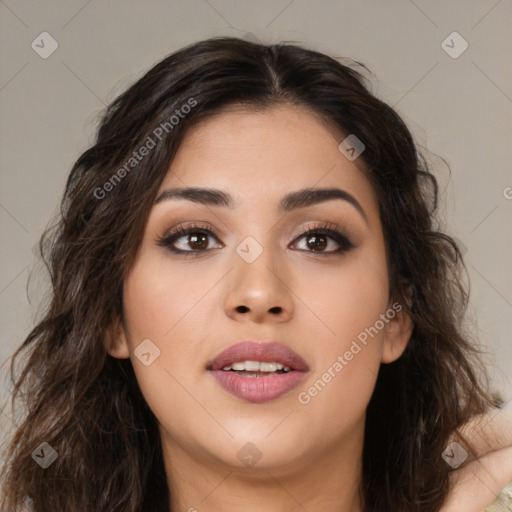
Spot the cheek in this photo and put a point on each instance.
(158, 302)
(159, 306)
(171, 309)
(350, 301)
(346, 299)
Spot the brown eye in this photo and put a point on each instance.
(324, 241)
(191, 240)
(317, 242)
(198, 240)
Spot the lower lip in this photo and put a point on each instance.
(258, 390)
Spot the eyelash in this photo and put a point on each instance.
(344, 242)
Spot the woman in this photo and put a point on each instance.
(250, 294)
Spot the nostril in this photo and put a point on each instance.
(275, 310)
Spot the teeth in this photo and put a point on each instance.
(256, 366)
(267, 367)
(252, 366)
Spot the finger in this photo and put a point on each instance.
(488, 432)
(477, 485)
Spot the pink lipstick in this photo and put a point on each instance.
(258, 372)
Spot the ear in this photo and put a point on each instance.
(397, 334)
(117, 344)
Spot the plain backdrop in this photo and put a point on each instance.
(456, 100)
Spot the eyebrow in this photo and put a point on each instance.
(294, 200)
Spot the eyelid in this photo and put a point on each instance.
(183, 229)
(341, 235)
(182, 226)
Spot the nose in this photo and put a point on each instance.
(259, 291)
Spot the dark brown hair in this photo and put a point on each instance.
(87, 404)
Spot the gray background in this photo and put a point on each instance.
(459, 108)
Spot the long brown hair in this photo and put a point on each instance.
(87, 405)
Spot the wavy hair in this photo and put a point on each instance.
(87, 405)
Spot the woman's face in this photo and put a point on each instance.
(246, 272)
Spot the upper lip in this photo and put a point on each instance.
(258, 351)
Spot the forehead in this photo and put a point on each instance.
(265, 154)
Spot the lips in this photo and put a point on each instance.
(264, 352)
(258, 387)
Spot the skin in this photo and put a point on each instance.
(187, 306)
(475, 485)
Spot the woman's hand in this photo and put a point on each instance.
(476, 484)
